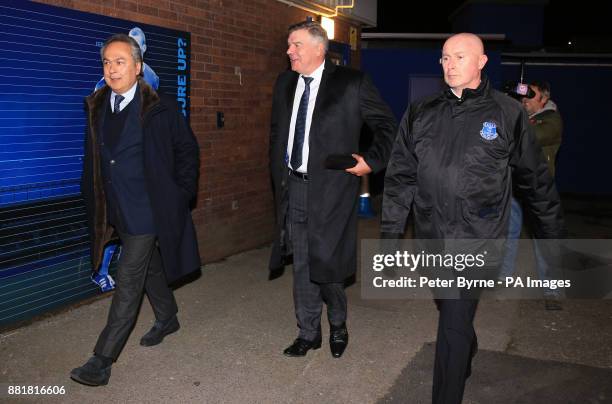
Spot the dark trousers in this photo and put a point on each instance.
(309, 296)
(455, 346)
(139, 269)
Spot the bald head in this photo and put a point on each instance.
(462, 60)
(466, 40)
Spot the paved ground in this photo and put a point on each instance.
(235, 324)
(503, 378)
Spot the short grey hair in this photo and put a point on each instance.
(314, 29)
(543, 86)
(134, 47)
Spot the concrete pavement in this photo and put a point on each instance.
(235, 324)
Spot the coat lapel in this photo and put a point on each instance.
(323, 95)
(289, 97)
(128, 137)
(101, 113)
(291, 92)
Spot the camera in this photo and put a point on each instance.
(518, 90)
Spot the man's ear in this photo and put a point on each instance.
(321, 49)
(482, 61)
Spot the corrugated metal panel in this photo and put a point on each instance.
(44, 257)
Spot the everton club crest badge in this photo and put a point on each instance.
(488, 131)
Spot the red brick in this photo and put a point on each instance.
(148, 10)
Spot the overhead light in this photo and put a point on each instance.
(328, 26)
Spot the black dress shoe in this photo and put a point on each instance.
(301, 346)
(338, 340)
(95, 372)
(159, 331)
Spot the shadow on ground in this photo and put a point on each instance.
(503, 378)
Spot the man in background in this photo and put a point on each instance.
(545, 119)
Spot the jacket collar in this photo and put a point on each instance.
(549, 106)
(469, 93)
(149, 99)
(330, 67)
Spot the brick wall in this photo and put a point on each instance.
(234, 210)
(342, 29)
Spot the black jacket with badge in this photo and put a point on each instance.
(346, 101)
(454, 160)
(171, 169)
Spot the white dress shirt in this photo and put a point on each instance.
(314, 89)
(128, 96)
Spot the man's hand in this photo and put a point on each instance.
(361, 168)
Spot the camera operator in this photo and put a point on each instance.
(548, 126)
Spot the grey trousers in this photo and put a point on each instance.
(139, 269)
(309, 296)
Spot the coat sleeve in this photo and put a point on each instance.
(186, 156)
(274, 136)
(87, 180)
(274, 114)
(548, 129)
(278, 255)
(381, 121)
(86, 171)
(400, 180)
(533, 182)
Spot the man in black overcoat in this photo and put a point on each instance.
(140, 172)
(318, 111)
(455, 159)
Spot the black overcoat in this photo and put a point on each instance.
(346, 100)
(171, 159)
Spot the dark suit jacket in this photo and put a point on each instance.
(122, 162)
(171, 167)
(346, 100)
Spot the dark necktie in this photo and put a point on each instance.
(118, 99)
(300, 126)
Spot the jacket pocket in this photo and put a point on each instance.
(472, 212)
(421, 207)
(481, 221)
(423, 218)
